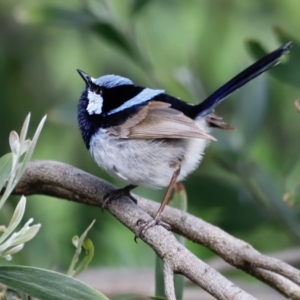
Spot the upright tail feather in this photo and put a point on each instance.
(242, 78)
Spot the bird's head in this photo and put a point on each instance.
(107, 94)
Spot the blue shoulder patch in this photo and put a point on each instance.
(144, 96)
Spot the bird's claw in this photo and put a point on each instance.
(116, 194)
(145, 225)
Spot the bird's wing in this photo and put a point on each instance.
(158, 120)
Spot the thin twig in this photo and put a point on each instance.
(290, 256)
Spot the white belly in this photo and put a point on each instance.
(147, 162)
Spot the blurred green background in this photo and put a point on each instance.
(188, 48)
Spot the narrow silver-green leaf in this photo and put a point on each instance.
(14, 143)
(24, 129)
(88, 246)
(30, 150)
(46, 285)
(15, 220)
(5, 168)
(135, 297)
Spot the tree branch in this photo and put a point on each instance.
(64, 181)
(169, 281)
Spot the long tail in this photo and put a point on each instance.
(242, 78)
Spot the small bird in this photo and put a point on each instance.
(149, 138)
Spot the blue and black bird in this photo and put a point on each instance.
(147, 137)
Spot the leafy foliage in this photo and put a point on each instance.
(46, 285)
(31, 281)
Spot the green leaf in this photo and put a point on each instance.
(255, 49)
(15, 220)
(87, 245)
(249, 113)
(46, 285)
(291, 194)
(135, 297)
(89, 254)
(24, 129)
(139, 5)
(273, 195)
(179, 285)
(159, 277)
(5, 168)
(13, 295)
(284, 38)
(297, 105)
(30, 150)
(52, 15)
(179, 199)
(115, 37)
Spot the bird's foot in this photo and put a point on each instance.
(145, 225)
(119, 193)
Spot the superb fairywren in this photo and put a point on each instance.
(147, 137)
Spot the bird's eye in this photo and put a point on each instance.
(98, 90)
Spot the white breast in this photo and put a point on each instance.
(147, 162)
(194, 151)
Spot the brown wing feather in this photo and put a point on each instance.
(159, 120)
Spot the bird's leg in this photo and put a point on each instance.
(145, 225)
(116, 194)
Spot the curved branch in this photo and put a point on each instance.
(64, 181)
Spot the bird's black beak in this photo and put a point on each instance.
(85, 77)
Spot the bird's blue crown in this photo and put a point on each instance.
(111, 81)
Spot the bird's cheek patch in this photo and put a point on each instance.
(95, 103)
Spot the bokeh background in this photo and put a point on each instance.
(248, 181)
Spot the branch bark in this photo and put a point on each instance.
(169, 281)
(66, 182)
